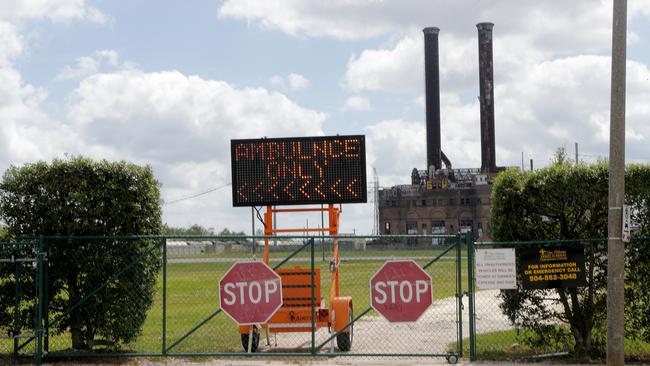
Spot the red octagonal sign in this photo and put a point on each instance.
(401, 291)
(250, 292)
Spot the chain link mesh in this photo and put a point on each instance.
(160, 296)
(503, 337)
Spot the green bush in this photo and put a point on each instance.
(77, 197)
(568, 201)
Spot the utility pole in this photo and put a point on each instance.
(615, 246)
(577, 154)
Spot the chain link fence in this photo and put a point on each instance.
(18, 294)
(534, 324)
(158, 296)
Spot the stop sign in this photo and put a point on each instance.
(250, 292)
(401, 291)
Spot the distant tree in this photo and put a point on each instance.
(192, 230)
(568, 201)
(226, 232)
(78, 196)
(197, 230)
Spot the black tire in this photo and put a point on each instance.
(344, 340)
(256, 341)
(452, 359)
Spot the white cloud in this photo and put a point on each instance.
(27, 132)
(84, 67)
(297, 81)
(182, 126)
(397, 69)
(11, 44)
(357, 103)
(292, 82)
(362, 19)
(87, 65)
(54, 10)
(394, 147)
(277, 81)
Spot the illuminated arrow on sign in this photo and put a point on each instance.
(317, 189)
(256, 190)
(349, 187)
(241, 193)
(286, 189)
(334, 186)
(275, 184)
(302, 188)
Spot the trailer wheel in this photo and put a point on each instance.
(255, 343)
(344, 340)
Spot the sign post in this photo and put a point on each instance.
(250, 293)
(401, 291)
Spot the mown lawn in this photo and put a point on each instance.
(507, 345)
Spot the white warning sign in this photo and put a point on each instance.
(496, 269)
(627, 224)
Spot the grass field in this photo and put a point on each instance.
(192, 296)
(507, 345)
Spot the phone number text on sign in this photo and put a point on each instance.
(302, 170)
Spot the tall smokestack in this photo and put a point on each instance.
(486, 79)
(432, 96)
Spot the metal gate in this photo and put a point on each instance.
(438, 333)
(21, 288)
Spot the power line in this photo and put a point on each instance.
(198, 194)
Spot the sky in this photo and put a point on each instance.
(170, 83)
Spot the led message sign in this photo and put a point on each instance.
(301, 170)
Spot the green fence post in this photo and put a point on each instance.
(164, 295)
(39, 306)
(46, 295)
(313, 320)
(459, 294)
(470, 292)
(16, 330)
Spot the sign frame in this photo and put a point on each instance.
(329, 179)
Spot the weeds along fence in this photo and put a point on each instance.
(533, 324)
(79, 297)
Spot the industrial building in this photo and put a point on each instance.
(441, 199)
